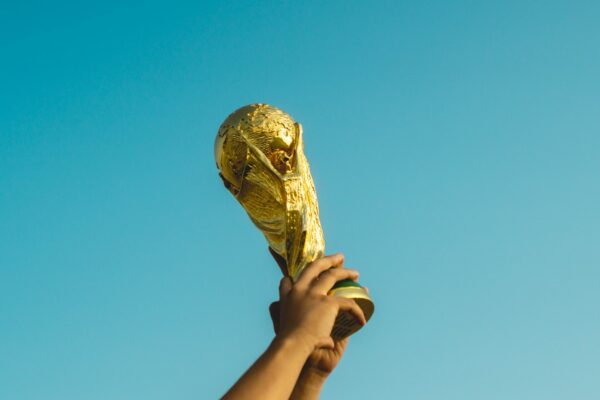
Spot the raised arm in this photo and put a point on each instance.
(306, 318)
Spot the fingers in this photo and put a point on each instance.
(327, 279)
(352, 307)
(326, 343)
(314, 269)
(285, 285)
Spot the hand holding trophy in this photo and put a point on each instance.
(259, 152)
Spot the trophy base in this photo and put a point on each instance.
(345, 323)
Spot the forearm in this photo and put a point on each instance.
(274, 374)
(309, 384)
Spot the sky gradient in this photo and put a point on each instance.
(455, 148)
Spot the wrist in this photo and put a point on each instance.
(314, 374)
(309, 384)
(297, 340)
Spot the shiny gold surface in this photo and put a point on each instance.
(259, 152)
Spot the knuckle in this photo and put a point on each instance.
(315, 295)
(319, 262)
(327, 273)
(333, 258)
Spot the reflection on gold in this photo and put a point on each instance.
(260, 155)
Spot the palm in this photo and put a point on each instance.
(325, 360)
(322, 360)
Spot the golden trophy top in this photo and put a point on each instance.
(259, 152)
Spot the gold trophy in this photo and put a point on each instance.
(260, 156)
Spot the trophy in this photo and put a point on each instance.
(259, 152)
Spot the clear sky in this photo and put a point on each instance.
(455, 148)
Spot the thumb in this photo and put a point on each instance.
(285, 286)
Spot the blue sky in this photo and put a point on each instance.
(455, 148)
